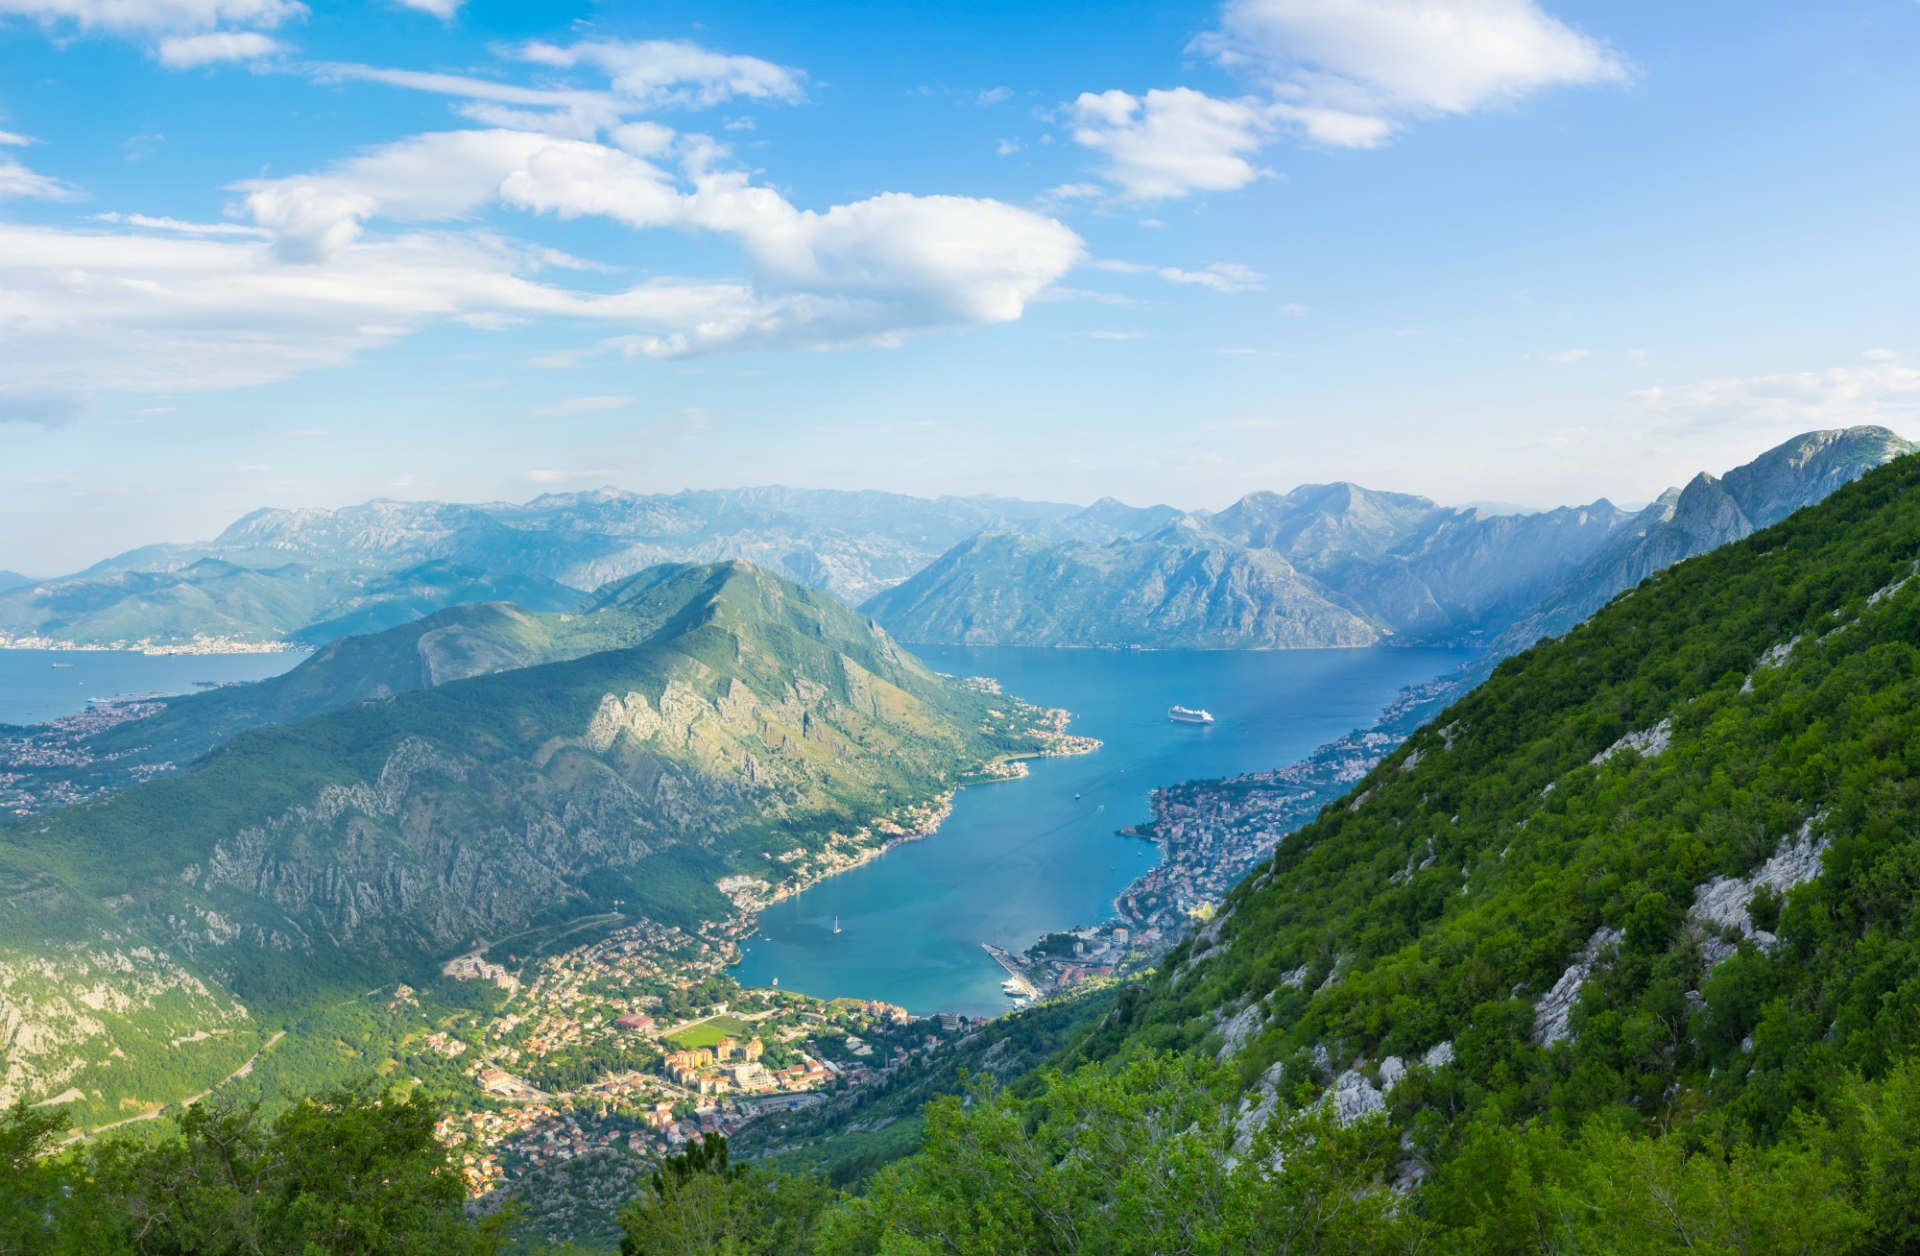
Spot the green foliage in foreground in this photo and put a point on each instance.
(342, 1172)
(1145, 1159)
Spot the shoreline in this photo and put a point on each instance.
(1007, 767)
(202, 647)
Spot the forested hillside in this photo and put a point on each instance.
(1660, 874)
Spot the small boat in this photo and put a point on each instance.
(1189, 715)
(63, 665)
(836, 924)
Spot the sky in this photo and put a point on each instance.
(261, 252)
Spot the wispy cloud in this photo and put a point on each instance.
(585, 405)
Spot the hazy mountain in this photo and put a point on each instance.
(1178, 587)
(852, 543)
(212, 597)
(1705, 514)
(207, 597)
(388, 600)
(1324, 565)
(1404, 567)
(13, 580)
(724, 718)
(1111, 519)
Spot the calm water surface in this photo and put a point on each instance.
(41, 685)
(1019, 858)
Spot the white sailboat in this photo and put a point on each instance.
(836, 923)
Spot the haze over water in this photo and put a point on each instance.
(41, 685)
(1017, 859)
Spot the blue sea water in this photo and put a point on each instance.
(41, 685)
(1019, 858)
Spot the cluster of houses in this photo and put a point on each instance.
(728, 1065)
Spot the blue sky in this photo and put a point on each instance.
(260, 252)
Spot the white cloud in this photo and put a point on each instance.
(653, 73)
(154, 16)
(185, 52)
(866, 272)
(366, 252)
(1880, 389)
(1339, 73)
(181, 33)
(994, 96)
(1116, 335)
(1228, 277)
(18, 182)
(1352, 68)
(562, 111)
(586, 405)
(1336, 128)
(14, 139)
(1170, 144)
(445, 10)
(1567, 357)
(150, 223)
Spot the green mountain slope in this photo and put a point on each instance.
(53, 764)
(1661, 870)
(724, 722)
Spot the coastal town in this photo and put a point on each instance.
(592, 1062)
(201, 643)
(54, 764)
(1211, 833)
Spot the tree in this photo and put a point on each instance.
(698, 1202)
(346, 1171)
(1142, 1160)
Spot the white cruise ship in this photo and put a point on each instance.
(1189, 715)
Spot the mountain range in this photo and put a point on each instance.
(1322, 565)
(307, 576)
(402, 796)
(1340, 565)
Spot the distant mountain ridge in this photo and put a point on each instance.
(289, 602)
(852, 541)
(307, 576)
(1179, 586)
(1322, 565)
(1706, 514)
(1343, 564)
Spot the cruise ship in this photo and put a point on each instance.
(1189, 715)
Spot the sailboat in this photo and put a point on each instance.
(836, 923)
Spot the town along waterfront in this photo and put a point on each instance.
(1021, 858)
